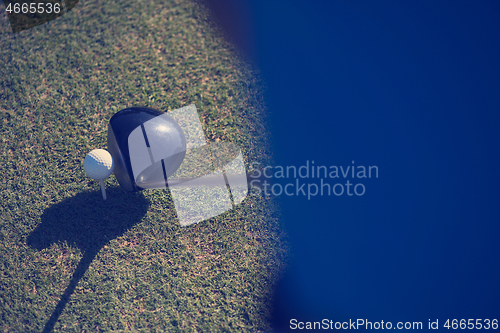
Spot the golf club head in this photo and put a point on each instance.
(156, 150)
(147, 146)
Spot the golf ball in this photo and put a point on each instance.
(98, 164)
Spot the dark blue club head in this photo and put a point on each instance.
(147, 146)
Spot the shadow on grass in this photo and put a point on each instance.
(88, 222)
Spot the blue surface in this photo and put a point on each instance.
(413, 88)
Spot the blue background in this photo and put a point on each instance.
(413, 88)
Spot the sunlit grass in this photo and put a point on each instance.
(60, 84)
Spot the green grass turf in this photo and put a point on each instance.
(126, 264)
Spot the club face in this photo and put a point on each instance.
(121, 171)
(147, 145)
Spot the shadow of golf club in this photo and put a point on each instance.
(89, 223)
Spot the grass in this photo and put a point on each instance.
(71, 262)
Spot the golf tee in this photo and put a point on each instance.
(103, 189)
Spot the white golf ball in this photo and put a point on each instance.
(98, 164)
